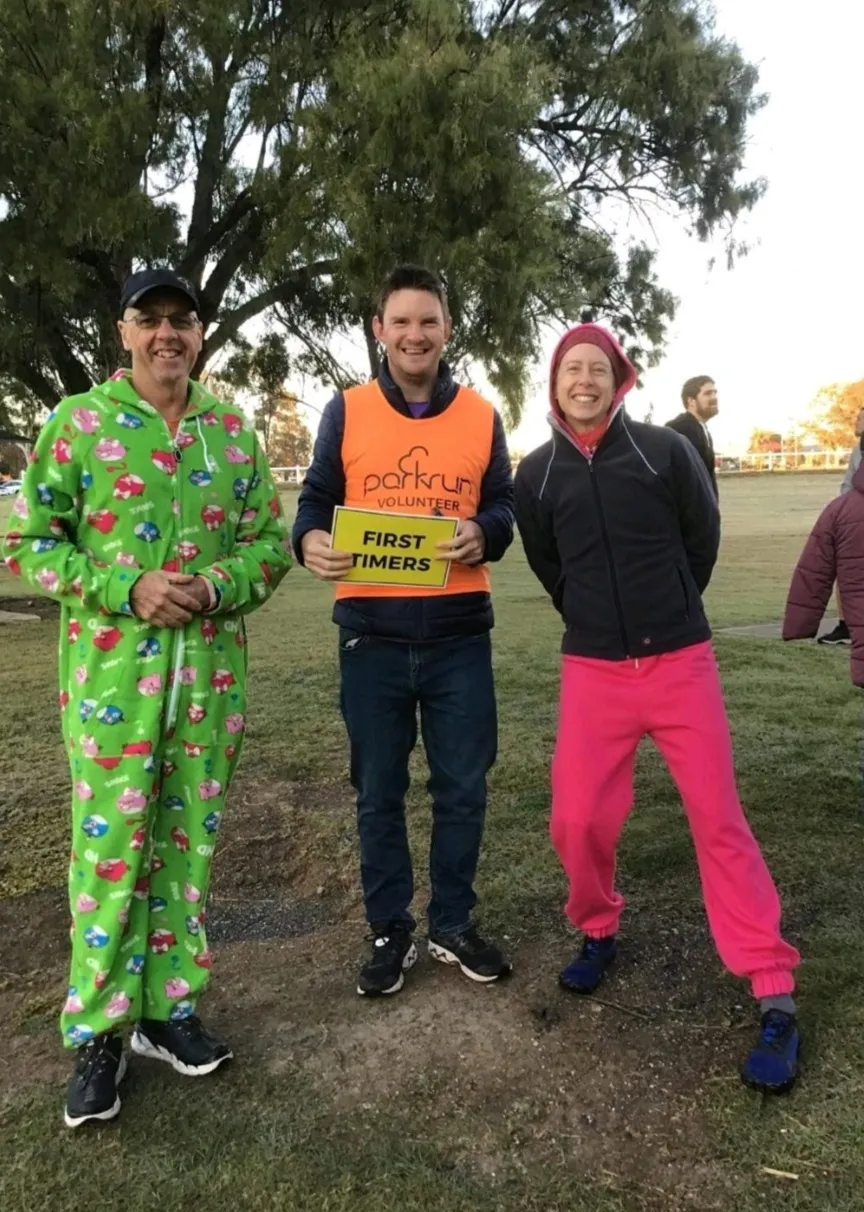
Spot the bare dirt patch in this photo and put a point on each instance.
(282, 837)
(45, 608)
(511, 1075)
(32, 982)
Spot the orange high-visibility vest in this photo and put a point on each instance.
(424, 465)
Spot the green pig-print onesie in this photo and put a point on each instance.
(153, 718)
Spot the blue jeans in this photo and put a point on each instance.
(383, 683)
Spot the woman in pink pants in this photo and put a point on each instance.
(620, 525)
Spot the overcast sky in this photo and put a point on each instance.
(788, 318)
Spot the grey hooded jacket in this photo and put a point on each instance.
(854, 464)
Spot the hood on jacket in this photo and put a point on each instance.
(119, 389)
(622, 368)
(858, 477)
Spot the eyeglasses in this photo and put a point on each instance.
(179, 321)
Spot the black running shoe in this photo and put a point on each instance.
(186, 1045)
(479, 960)
(839, 635)
(92, 1094)
(393, 953)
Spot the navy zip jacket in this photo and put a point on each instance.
(624, 543)
(414, 619)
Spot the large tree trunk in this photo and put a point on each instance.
(372, 348)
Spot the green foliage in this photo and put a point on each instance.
(262, 371)
(285, 155)
(20, 410)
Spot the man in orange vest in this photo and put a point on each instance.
(414, 441)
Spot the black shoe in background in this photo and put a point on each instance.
(840, 635)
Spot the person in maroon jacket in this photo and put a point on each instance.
(834, 550)
(840, 634)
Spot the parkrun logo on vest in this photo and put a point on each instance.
(402, 488)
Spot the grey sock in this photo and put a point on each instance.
(783, 1002)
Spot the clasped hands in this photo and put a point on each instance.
(169, 599)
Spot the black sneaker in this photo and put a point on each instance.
(479, 960)
(186, 1045)
(99, 1069)
(393, 953)
(840, 635)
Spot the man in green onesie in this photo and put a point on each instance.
(149, 512)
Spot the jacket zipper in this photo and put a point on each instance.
(179, 654)
(616, 595)
(619, 611)
(683, 585)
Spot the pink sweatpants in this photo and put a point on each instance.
(607, 707)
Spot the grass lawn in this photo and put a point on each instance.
(511, 1098)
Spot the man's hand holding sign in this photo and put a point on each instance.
(321, 559)
(468, 547)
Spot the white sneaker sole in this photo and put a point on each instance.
(141, 1046)
(408, 962)
(75, 1121)
(450, 957)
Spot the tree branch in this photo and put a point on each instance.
(262, 154)
(371, 347)
(196, 255)
(35, 381)
(71, 371)
(98, 261)
(154, 39)
(508, 8)
(232, 321)
(326, 364)
(153, 64)
(570, 126)
(210, 160)
(242, 249)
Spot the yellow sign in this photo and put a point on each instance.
(393, 548)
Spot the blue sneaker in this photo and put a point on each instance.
(586, 971)
(772, 1066)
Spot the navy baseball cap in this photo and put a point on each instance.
(138, 285)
